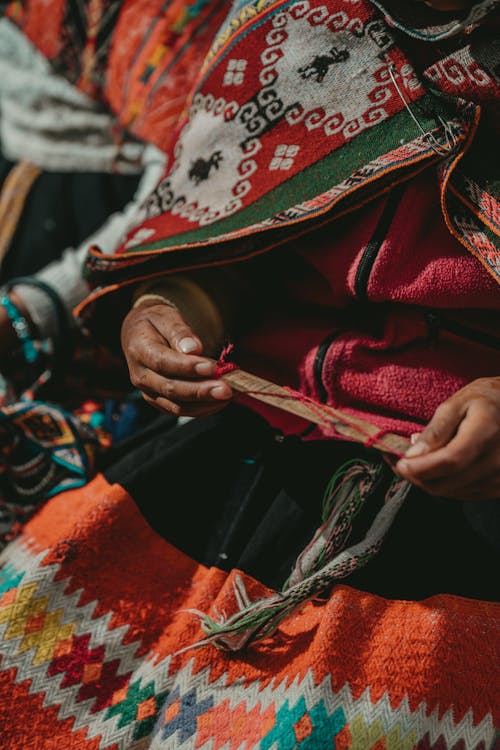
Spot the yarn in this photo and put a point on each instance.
(304, 406)
(324, 561)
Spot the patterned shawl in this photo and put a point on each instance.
(281, 115)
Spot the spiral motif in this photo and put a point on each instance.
(268, 76)
(295, 114)
(274, 37)
(299, 10)
(334, 123)
(318, 16)
(338, 21)
(252, 146)
(246, 168)
(242, 188)
(315, 119)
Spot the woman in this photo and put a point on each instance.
(101, 611)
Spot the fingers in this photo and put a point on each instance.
(153, 354)
(157, 338)
(175, 395)
(199, 409)
(440, 429)
(177, 390)
(183, 398)
(163, 357)
(468, 462)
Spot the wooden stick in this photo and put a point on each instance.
(345, 424)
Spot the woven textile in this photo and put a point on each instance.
(47, 121)
(279, 116)
(302, 111)
(85, 667)
(138, 57)
(43, 450)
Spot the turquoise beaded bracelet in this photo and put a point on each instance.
(21, 328)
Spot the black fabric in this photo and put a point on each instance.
(230, 492)
(61, 211)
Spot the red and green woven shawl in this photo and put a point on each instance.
(301, 111)
(280, 115)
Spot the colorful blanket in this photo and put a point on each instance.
(86, 667)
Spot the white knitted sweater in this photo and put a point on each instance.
(47, 121)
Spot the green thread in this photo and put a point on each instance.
(324, 561)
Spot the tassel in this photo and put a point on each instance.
(324, 561)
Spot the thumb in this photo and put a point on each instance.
(177, 332)
(439, 431)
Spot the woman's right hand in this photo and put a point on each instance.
(165, 362)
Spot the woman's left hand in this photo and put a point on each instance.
(458, 454)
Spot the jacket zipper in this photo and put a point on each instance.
(361, 280)
(438, 322)
(369, 257)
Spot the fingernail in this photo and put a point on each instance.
(417, 449)
(414, 437)
(187, 345)
(204, 368)
(219, 392)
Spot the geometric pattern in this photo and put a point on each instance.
(299, 61)
(77, 661)
(82, 667)
(247, 70)
(202, 714)
(316, 150)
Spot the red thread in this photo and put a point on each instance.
(223, 367)
(313, 405)
(375, 438)
(225, 354)
(321, 411)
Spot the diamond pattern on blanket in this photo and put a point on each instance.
(70, 674)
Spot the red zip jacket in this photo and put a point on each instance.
(383, 314)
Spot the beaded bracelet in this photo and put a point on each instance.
(61, 341)
(21, 328)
